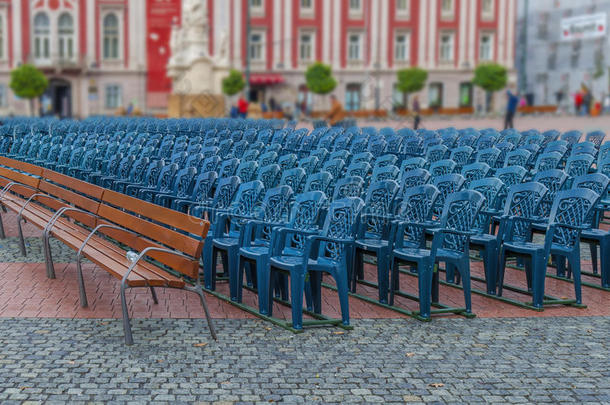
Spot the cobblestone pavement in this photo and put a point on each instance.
(560, 360)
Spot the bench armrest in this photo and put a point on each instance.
(60, 213)
(7, 188)
(34, 197)
(145, 253)
(94, 231)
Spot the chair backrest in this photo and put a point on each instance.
(334, 167)
(362, 157)
(204, 184)
(518, 157)
(386, 160)
(436, 153)
(412, 163)
(446, 184)
(361, 169)
(442, 167)
(293, 178)
(461, 155)
(269, 175)
(288, 161)
(318, 182)
(309, 164)
(588, 148)
(571, 208)
(267, 158)
(246, 171)
(460, 213)
(340, 223)
(571, 137)
(548, 161)
(275, 206)
(577, 165)
(523, 201)
(228, 167)
(475, 171)
(321, 154)
(412, 178)
(350, 186)
(491, 188)
(416, 207)
(489, 156)
(596, 182)
(167, 177)
(596, 137)
(385, 173)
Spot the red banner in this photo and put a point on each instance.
(161, 14)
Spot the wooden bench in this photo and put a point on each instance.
(102, 226)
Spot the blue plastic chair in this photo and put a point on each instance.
(327, 252)
(318, 182)
(374, 234)
(436, 153)
(201, 193)
(489, 156)
(461, 156)
(475, 171)
(442, 167)
(350, 186)
(361, 169)
(181, 188)
(450, 244)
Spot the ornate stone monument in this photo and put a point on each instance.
(196, 76)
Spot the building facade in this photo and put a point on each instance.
(563, 48)
(102, 55)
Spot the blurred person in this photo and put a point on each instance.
(512, 101)
(130, 108)
(336, 113)
(242, 106)
(578, 101)
(416, 112)
(587, 100)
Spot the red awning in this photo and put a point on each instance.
(266, 78)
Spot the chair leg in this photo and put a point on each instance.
(528, 264)
(315, 283)
(424, 279)
(204, 304)
(593, 250)
(263, 283)
(209, 271)
(574, 261)
(501, 268)
(81, 284)
(2, 234)
(126, 324)
(539, 266)
(343, 291)
(464, 270)
(435, 285)
(297, 285)
(382, 276)
(394, 280)
(604, 262)
(154, 295)
(490, 262)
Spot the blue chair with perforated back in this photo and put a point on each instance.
(350, 186)
(287, 161)
(180, 189)
(385, 173)
(149, 180)
(328, 252)
(294, 178)
(442, 167)
(450, 245)
(361, 169)
(489, 156)
(167, 175)
(461, 156)
(318, 182)
(201, 192)
(446, 184)
(309, 164)
(436, 153)
(475, 171)
(374, 234)
(554, 180)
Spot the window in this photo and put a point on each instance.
(402, 7)
(466, 94)
(486, 47)
(354, 51)
(575, 57)
(447, 8)
(306, 5)
(41, 36)
(446, 47)
(399, 99)
(352, 97)
(66, 36)
(257, 3)
(435, 95)
(114, 96)
(3, 96)
(487, 9)
(256, 46)
(306, 47)
(543, 26)
(111, 36)
(355, 5)
(401, 47)
(257, 7)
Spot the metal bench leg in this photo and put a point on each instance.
(197, 289)
(126, 324)
(154, 295)
(2, 235)
(81, 284)
(48, 257)
(24, 252)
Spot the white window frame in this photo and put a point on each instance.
(407, 47)
(66, 41)
(403, 13)
(489, 35)
(261, 56)
(119, 96)
(451, 48)
(488, 15)
(257, 10)
(307, 11)
(118, 13)
(3, 35)
(312, 46)
(360, 50)
(41, 41)
(354, 12)
(447, 14)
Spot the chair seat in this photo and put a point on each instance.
(322, 263)
(483, 239)
(371, 244)
(524, 247)
(286, 262)
(225, 242)
(254, 252)
(413, 254)
(595, 234)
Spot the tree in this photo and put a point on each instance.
(319, 78)
(234, 83)
(28, 82)
(490, 77)
(411, 80)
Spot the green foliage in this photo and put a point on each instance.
(490, 77)
(234, 83)
(28, 82)
(319, 78)
(411, 80)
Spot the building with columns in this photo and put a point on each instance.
(101, 55)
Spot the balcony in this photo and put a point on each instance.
(57, 64)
